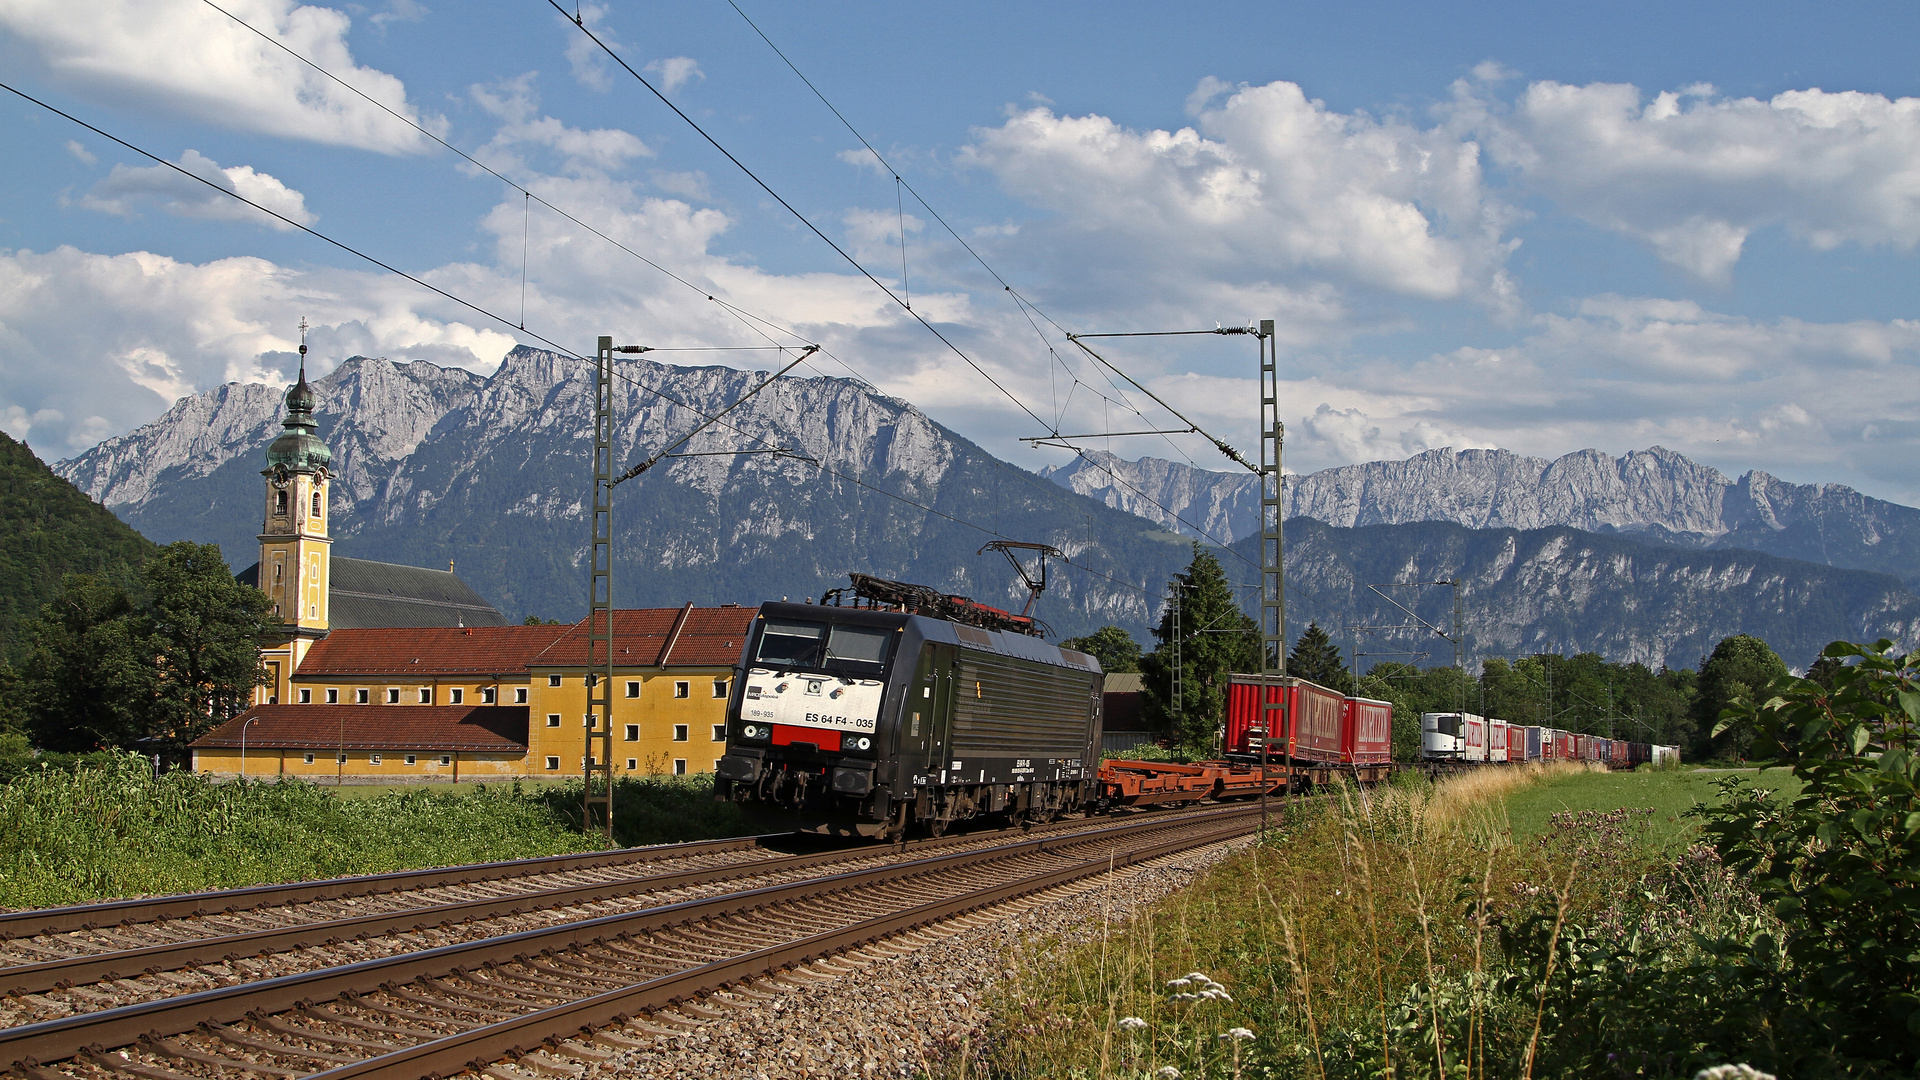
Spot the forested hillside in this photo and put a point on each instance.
(49, 529)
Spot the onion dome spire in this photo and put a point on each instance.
(298, 449)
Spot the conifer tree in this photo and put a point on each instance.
(1317, 659)
(1216, 639)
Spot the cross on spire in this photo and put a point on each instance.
(303, 348)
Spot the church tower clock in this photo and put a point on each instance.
(294, 545)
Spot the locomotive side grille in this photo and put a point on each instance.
(1007, 706)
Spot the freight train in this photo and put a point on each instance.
(1465, 738)
(909, 709)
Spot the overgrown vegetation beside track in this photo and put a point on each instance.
(1410, 932)
(109, 828)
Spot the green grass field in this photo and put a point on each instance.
(1669, 793)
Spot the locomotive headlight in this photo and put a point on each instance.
(754, 731)
(863, 743)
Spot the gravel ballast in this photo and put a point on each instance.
(897, 1009)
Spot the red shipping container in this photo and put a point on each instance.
(1516, 743)
(1497, 739)
(1366, 731)
(1307, 726)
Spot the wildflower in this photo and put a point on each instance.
(1179, 984)
(1186, 997)
(1168, 1072)
(1216, 993)
(1199, 976)
(1236, 1034)
(1132, 1023)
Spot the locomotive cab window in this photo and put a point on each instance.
(867, 645)
(787, 642)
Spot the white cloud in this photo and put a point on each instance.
(95, 344)
(1268, 187)
(183, 57)
(588, 61)
(127, 187)
(515, 103)
(411, 11)
(676, 72)
(1693, 173)
(82, 153)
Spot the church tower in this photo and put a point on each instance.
(294, 546)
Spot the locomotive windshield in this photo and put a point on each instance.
(785, 642)
(791, 643)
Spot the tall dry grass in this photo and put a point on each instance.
(1362, 939)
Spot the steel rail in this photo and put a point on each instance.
(51, 1040)
(34, 922)
(480, 1047)
(171, 956)
(131, 962)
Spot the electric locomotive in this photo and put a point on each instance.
(871, 720)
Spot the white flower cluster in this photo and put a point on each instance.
(1132, 1023)
(1208, 989)
(1732, 1072)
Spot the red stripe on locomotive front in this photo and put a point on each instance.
(823, 738)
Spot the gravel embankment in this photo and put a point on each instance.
(888, 1011)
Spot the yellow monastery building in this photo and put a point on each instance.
(397, 673)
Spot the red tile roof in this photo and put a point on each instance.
(427, 651)
(661, 637)
(500, 728)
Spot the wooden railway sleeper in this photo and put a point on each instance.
(552, 966)
(286, 1030)
(128, 1067)
(450, 1006)
(171, 1049)
(450, 984)
(248, 1042)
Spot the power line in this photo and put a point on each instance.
(851, 261)
(742, 315)
(504, 321)
(790, 208)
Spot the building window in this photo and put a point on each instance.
(446, 759)
(592, 681)
(553, 719)
(553, 680)
(455, 696)
(373, 759)
(487, 695)
(340, 758)
(393, 695)
(426, 695)
(633, 732)
(360, 696)
(333, 695)
(279, 506)
(679, 766)
(719, 688)
(316, 502)
(306, 695)
(519, 695)
(413, 759)
(309, 759)
(633, 688)
(680, 688)
(719, 733)
(679, 733)
(553, 764)
(587, 720)
(632, 764)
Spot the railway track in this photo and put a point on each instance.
(62, 948)
(440, 1010)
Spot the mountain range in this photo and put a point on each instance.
(1654, 494)
(1646, 557)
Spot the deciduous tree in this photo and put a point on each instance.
(1113, 647)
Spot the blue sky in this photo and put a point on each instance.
(1540, 227)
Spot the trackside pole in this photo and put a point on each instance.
(597, 764)
(1273, 577)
